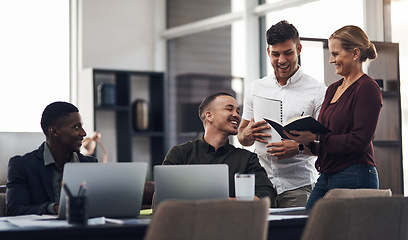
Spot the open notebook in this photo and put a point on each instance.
(113, 189)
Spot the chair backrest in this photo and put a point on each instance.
(2, 204)
(148, 195)
(361, 218)
(357, 193)
(209, 219)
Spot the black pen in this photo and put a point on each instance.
(82, 188)
(83, 191)
(302, 113)
(65, 186)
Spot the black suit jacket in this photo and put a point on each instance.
(29, 183)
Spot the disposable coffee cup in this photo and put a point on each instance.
(244, 186)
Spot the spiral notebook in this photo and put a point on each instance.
(267, 108)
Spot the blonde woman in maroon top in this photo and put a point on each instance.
(350, 110)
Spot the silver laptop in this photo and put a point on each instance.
(113, 189)
(191, 182)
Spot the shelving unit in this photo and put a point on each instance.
(388, 137)
(116, 122)
(387, 141)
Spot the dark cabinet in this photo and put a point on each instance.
(387, 141)
(119, 99)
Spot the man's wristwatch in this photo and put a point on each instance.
(301, 149)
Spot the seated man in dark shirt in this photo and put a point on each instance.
(34, 180)
(220, 115)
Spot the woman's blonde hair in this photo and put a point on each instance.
(354, 37)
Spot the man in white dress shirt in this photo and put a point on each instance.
(290, 166)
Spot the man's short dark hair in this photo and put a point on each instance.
(207, 101)
(54, 112)
(281, 32)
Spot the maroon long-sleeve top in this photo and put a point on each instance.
(352, 120)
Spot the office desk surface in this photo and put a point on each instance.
(287, 229)
(106, 231)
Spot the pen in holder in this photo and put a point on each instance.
(76, 205)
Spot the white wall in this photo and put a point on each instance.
(117, 34)
(114, 34)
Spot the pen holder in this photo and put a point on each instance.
(77, 210)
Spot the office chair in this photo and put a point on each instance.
(357, 193)
(209, 219)
(148, 193)
(2, 204)
(359, 218)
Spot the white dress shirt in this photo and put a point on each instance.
(302, 94)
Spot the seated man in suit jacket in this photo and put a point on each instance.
(34, 180)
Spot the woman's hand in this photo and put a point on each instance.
(302, 137)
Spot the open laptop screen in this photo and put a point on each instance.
(113, 189)
(191, 182)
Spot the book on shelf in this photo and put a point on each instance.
(301, 123)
